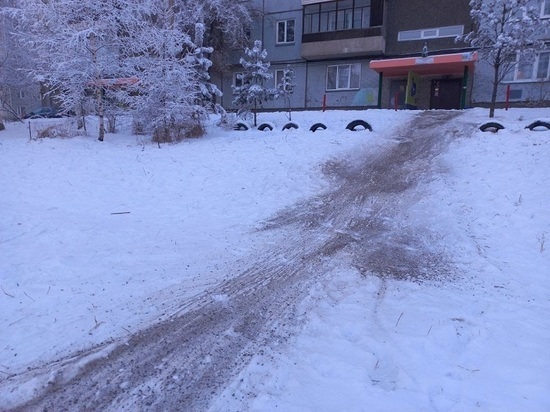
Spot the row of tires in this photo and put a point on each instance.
(496, 126)
(353, 126)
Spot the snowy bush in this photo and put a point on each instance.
(46, 129)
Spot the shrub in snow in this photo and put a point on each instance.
(227, 120)
(66, 129)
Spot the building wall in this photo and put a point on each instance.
(366, 95)
(424, 14)
(528, 93)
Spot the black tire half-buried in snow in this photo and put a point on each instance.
(491, 127)
(354, 124)
(317, 126)
(538, 123)
(290, 125)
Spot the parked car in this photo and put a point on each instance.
(43, 112)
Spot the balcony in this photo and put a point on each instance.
(344, 43)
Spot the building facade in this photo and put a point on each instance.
(381, 53)
(358, 54)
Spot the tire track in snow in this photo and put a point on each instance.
(183, 362)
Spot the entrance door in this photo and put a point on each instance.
(398, 92)
(446, 94)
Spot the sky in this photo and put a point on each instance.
(99, 240)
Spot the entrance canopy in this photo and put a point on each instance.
(438, 64)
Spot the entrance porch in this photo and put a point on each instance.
(433, 82)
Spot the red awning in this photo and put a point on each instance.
(437, 64)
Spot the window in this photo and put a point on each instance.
(543, 66)
(345, 15)
(545, 9)
(285, 31)
(343, 76)
(280, 79)
(21, 94)
(279, 75)
(537, 69)
(435, 33)
(337, 15)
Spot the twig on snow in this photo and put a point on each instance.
(6, 293)
(97, 324)
(469, 370)
(397, 323)
(19, 320)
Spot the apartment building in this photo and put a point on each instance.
(380, 53)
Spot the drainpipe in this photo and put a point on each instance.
(263, 22)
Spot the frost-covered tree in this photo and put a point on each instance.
(506, 33)
(285, 87)
(226, 22)
(140, 55)
(187, 94)
(197, 59)
(12, 60)
(165, 98)
(251, 91)
(77, 47)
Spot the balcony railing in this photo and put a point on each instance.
(342, 34)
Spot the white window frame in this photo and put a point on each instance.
(337, 85)
(431, 33)
(534, 72)
(284, 25)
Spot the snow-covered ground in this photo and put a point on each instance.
(98, 240)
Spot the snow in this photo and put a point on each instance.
(98, 240)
